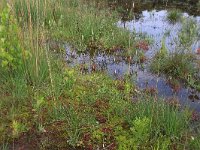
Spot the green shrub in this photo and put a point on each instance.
(136, 137)
(12, 55)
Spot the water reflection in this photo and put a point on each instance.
(125, 7)
(116, 66)
(153, 24)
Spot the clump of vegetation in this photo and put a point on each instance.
(174, 16)
(189, 34)
(83, 27)
(177, 66)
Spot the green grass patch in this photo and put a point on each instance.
(174, 15)
(177, 66)
(102, 114)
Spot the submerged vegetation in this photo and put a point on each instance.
(45, 104)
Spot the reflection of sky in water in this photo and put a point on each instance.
(106, 63)
(155, 25)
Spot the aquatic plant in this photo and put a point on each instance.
(174, 16)
(189, 34)
(176, 66)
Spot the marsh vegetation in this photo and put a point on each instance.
(61, 86)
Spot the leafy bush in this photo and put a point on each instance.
(136, 137)
(12, 54)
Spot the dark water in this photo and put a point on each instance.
(155, 25)
(125, 7)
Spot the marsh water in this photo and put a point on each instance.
(153, 24)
